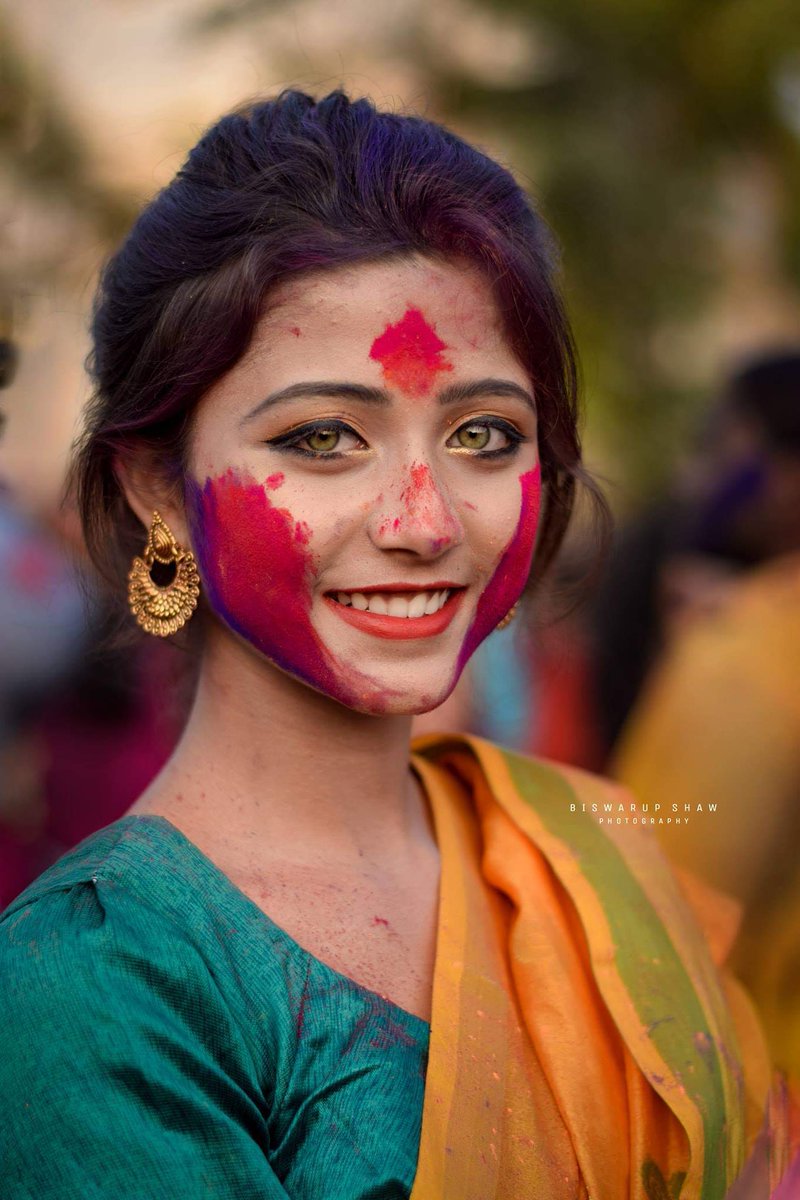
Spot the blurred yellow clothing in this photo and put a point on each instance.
(719, 723)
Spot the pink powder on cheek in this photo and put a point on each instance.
(274, 481)
(410, 354)
(257, 573)
(511, 573)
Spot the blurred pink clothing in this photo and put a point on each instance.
(95, 765)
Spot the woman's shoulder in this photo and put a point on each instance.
(98, 951)
(133, 912)
(111, 898)
(130, 868)
(138, 915)
(131, 1051)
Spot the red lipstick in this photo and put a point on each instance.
(402, 628)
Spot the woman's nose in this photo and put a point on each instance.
(417, 516)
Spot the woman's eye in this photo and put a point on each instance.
(473, 437)
(319, 441)
(323, 439)
(488, 437)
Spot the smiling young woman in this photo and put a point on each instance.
(335, 395)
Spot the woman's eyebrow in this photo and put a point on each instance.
(339, 391)
(454, 394)
(459, 392)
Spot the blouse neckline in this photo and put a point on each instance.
(155, 819)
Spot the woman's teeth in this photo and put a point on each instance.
(392, 604)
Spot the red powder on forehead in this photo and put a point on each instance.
(410, 354)
(511, 573)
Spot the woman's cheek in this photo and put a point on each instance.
(258, 572)
(511, 573)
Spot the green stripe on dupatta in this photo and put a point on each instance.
(681, 1037)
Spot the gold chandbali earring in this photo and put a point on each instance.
(163, 586)
(508, 618)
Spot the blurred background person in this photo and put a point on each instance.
(41, 638)
(731, 506)
(80, 730)
(718, 721)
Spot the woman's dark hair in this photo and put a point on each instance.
(296, 185)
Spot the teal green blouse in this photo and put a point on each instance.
(161, 1037)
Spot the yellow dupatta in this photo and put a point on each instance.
(581, 1041)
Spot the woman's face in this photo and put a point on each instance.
(364, 485)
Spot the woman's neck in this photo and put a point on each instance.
(267, 764)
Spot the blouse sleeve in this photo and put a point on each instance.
(122, 1072)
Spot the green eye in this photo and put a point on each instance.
(317, 440)
(473, 437)
(323, 439)
(485, 438)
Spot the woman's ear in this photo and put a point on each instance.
(147, 491)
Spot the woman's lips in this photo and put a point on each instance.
(384, 626)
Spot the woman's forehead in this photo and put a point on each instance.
(411, 327)
(359, 302)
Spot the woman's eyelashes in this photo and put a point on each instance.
(486, 437)
(319, 439)
(481, 437)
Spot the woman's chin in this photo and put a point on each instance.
(397, 701)
(391, 692)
